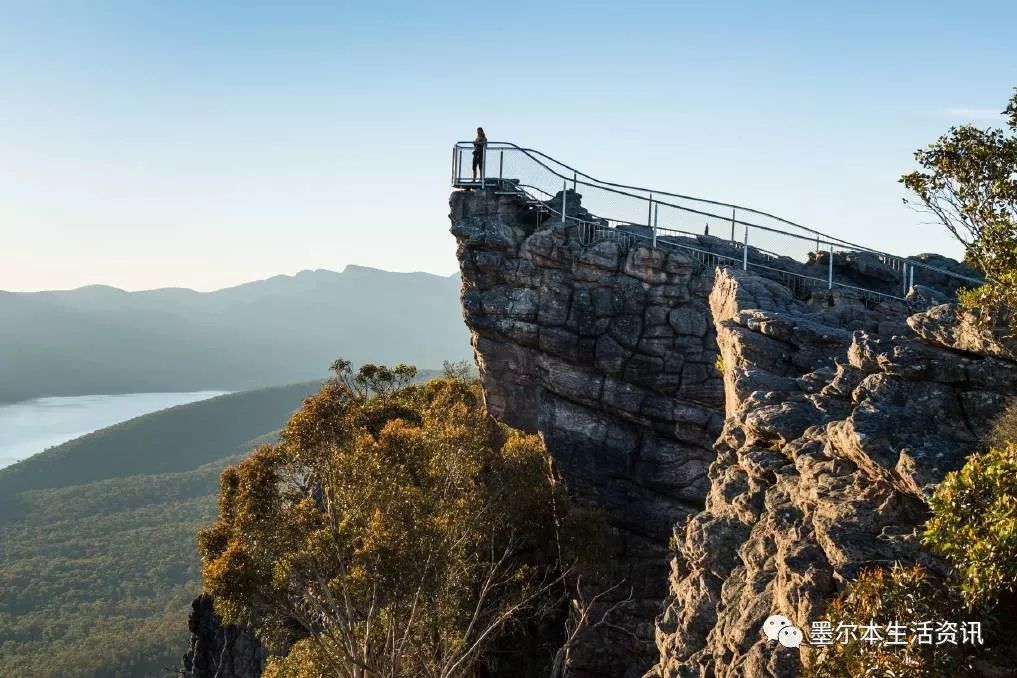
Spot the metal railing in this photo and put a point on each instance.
(762, 241)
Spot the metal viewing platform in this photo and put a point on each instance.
(751, 239)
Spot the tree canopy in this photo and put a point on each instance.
(396, 530)
(968, 181)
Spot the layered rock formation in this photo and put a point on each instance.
(608, 352)
(833, 441)
(840, 417)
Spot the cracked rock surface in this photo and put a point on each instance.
(217, 651)
(833, 441)
(780, 445)
(608, 352)
(752, 451)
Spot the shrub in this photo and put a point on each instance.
(974, 524)
(898, 594)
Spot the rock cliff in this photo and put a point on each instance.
(609, 353)
(220, 652)
(752, 447)
(833, 440)
(752, 450)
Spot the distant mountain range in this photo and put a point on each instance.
(284, 329)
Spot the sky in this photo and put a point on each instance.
(204, 144)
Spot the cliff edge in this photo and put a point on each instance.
(607, 352)
(751, 450)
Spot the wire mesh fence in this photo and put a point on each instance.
(801, 257)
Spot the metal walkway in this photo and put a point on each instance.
(750, 239)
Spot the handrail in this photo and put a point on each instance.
(903, 264)
(814, 235)
(700, 254)
(592, 181)
(658, 192)
(745, 263)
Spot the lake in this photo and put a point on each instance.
(31, 426)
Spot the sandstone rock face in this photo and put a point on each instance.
(834, 440)
(218, 652)
(609, 353)
(947, 327)
(807, 460)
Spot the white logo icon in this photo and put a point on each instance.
(790, 636)
(773, 625)
(778, 627)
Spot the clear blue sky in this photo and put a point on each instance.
(203, 144)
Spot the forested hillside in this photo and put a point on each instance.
(98, 561)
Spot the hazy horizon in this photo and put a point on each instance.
(230, 285)
(199, 145)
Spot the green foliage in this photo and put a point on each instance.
(899, 593)
(305, 659)
(974, 527)
(96, 579)
(718, 364)
(974, 524)
(997, 299)
(397, 530)
(968, 182)
(372, 379)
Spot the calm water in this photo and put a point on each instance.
(31, 426)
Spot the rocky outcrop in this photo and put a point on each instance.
(964, 331)
(220, 652)
(609, 353)
(832, 443)
(778, 444)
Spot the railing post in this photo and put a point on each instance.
(564, 188)
(732, 223)
(829, 275)
(904, 275)
(483, 168)
(911, 285)
(501, 164)
(649, 212)
(745, 250)
(656, 214)
(574, 180)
